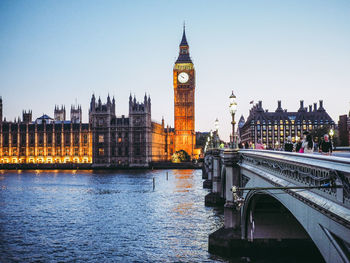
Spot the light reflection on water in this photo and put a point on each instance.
(105, 216)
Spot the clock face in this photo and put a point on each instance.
(183, 77)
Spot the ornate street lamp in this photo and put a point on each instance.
(331, 133)
(233, 109)
(216, 124)
(216, 133)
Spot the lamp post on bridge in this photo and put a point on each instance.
(233, 109)
(331, 133)
(216, 134)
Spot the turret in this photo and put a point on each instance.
(75, 114)
(93, 103)
(113, 105)
(60, 113)
(27, 116)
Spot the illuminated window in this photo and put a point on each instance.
(101, 138)
(67, 151)
(281, 133)
(119, 139)
(304, 127)
(101, 151)
(76, 151)
(310, 127)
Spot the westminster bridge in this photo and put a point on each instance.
(279, 201)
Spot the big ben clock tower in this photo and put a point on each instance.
(184, 87)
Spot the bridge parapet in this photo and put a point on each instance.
(304, 170)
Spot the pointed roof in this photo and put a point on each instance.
(184, 40)
(184, 57)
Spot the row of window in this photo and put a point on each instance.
(287, 127)
(41, 151)
(119, 151)
(40, 139)
(291, 122)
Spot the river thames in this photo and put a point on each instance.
(105, 216)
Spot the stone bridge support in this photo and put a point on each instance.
(215, 198)
(208, 167)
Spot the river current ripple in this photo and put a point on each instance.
(105, 216)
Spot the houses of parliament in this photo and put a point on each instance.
(133, 140)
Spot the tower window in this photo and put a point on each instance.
(101, 151)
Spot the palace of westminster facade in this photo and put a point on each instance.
(133, 140)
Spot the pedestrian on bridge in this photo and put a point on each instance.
(326, 146)
(288, 146)
(259, 145)
(308, 144)
(298, 145)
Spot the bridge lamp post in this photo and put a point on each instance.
(216, 134)
(331, 133)
(233, 109)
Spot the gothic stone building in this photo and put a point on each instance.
(105, 140)
(273, 128)
(45, 140)
(134, 140)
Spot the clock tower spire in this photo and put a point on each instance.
(184, 97)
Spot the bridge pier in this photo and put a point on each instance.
(214, 198)
(208, 163)
(227, 239)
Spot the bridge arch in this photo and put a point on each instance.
(267, 219)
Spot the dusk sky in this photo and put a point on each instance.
(60, 52)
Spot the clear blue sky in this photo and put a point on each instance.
(54, 52)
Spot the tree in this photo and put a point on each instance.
(180, 156)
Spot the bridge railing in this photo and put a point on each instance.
(304, 170)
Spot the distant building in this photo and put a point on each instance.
(273, 128)
(344, 130)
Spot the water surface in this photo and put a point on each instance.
(89, 216)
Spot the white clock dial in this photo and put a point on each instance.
(183, 77)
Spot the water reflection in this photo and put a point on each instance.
(105, 216)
